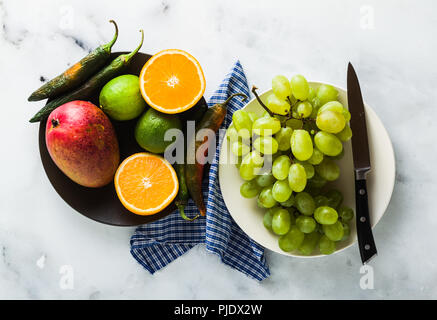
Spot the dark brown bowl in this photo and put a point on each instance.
(102, 204)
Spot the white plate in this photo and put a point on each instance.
(380, 182)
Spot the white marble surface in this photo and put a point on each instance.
(396, 66)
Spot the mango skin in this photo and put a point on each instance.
(82, 142)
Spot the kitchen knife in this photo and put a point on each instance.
(361, 156)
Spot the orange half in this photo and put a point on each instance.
(146, 183)
(172, 81)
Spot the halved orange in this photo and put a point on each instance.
(172, 81)
(146, 183)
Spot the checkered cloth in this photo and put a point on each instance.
(156, 244)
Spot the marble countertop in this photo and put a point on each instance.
(392, 45)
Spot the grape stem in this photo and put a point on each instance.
(254, 88)
(291, 103)
(286, 117)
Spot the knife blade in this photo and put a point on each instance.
(361, 157)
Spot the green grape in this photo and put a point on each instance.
(346, 114)
(317, 181)
(245, 134)
(335, 198)
(281, 221)
(294, 113)
(346, 214)
(277, 105)
(268, 217)
(266, 145)
(330, 121)
(309, 169)
(265, 179)
(250, 165)
(304, 109)
(283, 137)
(266, 126)
(328, 170)
(300, 87)
(309, 243)
(281, 190)
(345, 134)
(346, 231)
(305, 203)
(266, 197)
(311, 93)
(253, 116)
(326, 246)
(327, 143)
(240, 149)
(316, 107)
(336, 107)
(316, 157)
(338, 156)
(306, 224)
(281, 87)
(232, 133)
(325, 215)
(242, 123)
(291, 240)
(334, 231)
(247, 171)
(281, 167)
(250, 189)
(259, 204)
(265, 114)
(326, 93)
(301, 145)
(297, 177)
(288, 203)
(320, 201)
(294, 123)
(258, 160)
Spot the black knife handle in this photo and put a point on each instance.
(364, 229)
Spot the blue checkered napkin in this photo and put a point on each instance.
(156, 244)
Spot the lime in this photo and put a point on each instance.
(121, 99)
(151, 128)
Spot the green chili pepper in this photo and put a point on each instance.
(92, 86)
(183, 195)
(77, 73)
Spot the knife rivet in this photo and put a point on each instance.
(362, 192)
(367, 247)
(363, 219)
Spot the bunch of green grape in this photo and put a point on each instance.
(288, 155)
